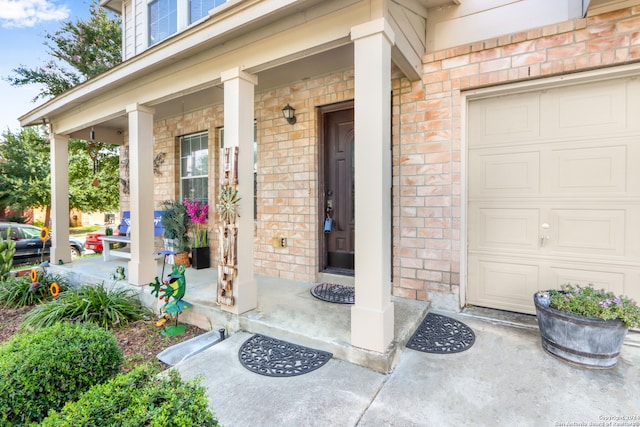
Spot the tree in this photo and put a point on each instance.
(81, 50)
(25, 173)
(93, 176)
(25, 179)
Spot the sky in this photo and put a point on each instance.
(23, 26)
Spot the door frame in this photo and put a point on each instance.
(321, 112)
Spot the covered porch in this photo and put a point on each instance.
(286, 310)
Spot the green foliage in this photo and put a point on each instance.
(44, 369)
(24, 170)
(93, 176)
(80, 50)
(25, 173)
(7, 251)
(600, 304)
(21, 292)
(176, 224)
(17, 218)
(139, 398)
(108, 308)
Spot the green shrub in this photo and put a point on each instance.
(44, 369)
(20, 291)
(139, 398)
(7, 251)
(88, 304)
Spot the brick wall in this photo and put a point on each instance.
(426, 141)
(428, 129)
(288, 174)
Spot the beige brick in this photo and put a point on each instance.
(609, 43)
(455, 62)
(566, 51)
(498, 64)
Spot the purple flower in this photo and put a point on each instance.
(606, 303)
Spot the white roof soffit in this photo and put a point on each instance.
(420, 7)
(175, 48)
(112, 5)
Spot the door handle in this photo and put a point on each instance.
(545, 237)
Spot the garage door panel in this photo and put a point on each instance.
(589, 231)
(508, 228)
(502, 173)
(581, 170)
(613, 281)
(508, 285)
(506, 119)
(573, 111)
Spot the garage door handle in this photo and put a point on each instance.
(544, 226)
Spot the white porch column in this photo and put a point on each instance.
(60, 249)
(142, 267)
(238, 132)
(372, 314)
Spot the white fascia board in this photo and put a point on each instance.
(151, 77)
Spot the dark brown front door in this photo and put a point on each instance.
(339, 190)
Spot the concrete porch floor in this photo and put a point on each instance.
(504, 379)
(286, 310)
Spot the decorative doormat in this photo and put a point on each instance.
(275, 358)
(441, 334)
(332, 292)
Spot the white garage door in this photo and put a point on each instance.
(554, 192)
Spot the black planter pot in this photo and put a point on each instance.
(585, 341)
(200, 258)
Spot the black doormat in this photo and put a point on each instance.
(275, 358)
(332, 292)
(441, 334)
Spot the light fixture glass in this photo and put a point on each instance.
(289, 113)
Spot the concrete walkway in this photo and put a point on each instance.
(505, 379)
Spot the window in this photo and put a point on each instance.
(167, 17)
(200, 8)
(163, 19)
(194, 167)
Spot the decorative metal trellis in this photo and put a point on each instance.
(227, 208)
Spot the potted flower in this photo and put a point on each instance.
(197, 213)
(176, 230)
(583, 325)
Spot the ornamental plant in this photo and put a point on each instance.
(108, 308)
(198, 215)
(7, 251)
(42, 370)
(138, 398)
(597, 303)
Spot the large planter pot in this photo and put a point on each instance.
(200, 258)
(181, 259)
(585, 341)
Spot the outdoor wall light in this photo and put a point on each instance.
(289, 113)
(92, 135)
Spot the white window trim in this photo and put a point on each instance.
(182, 196)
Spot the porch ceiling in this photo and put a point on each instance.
(336, 59)
(304, 39)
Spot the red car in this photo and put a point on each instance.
(94, 243)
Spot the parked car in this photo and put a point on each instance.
(29, 247)
(93, 241)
